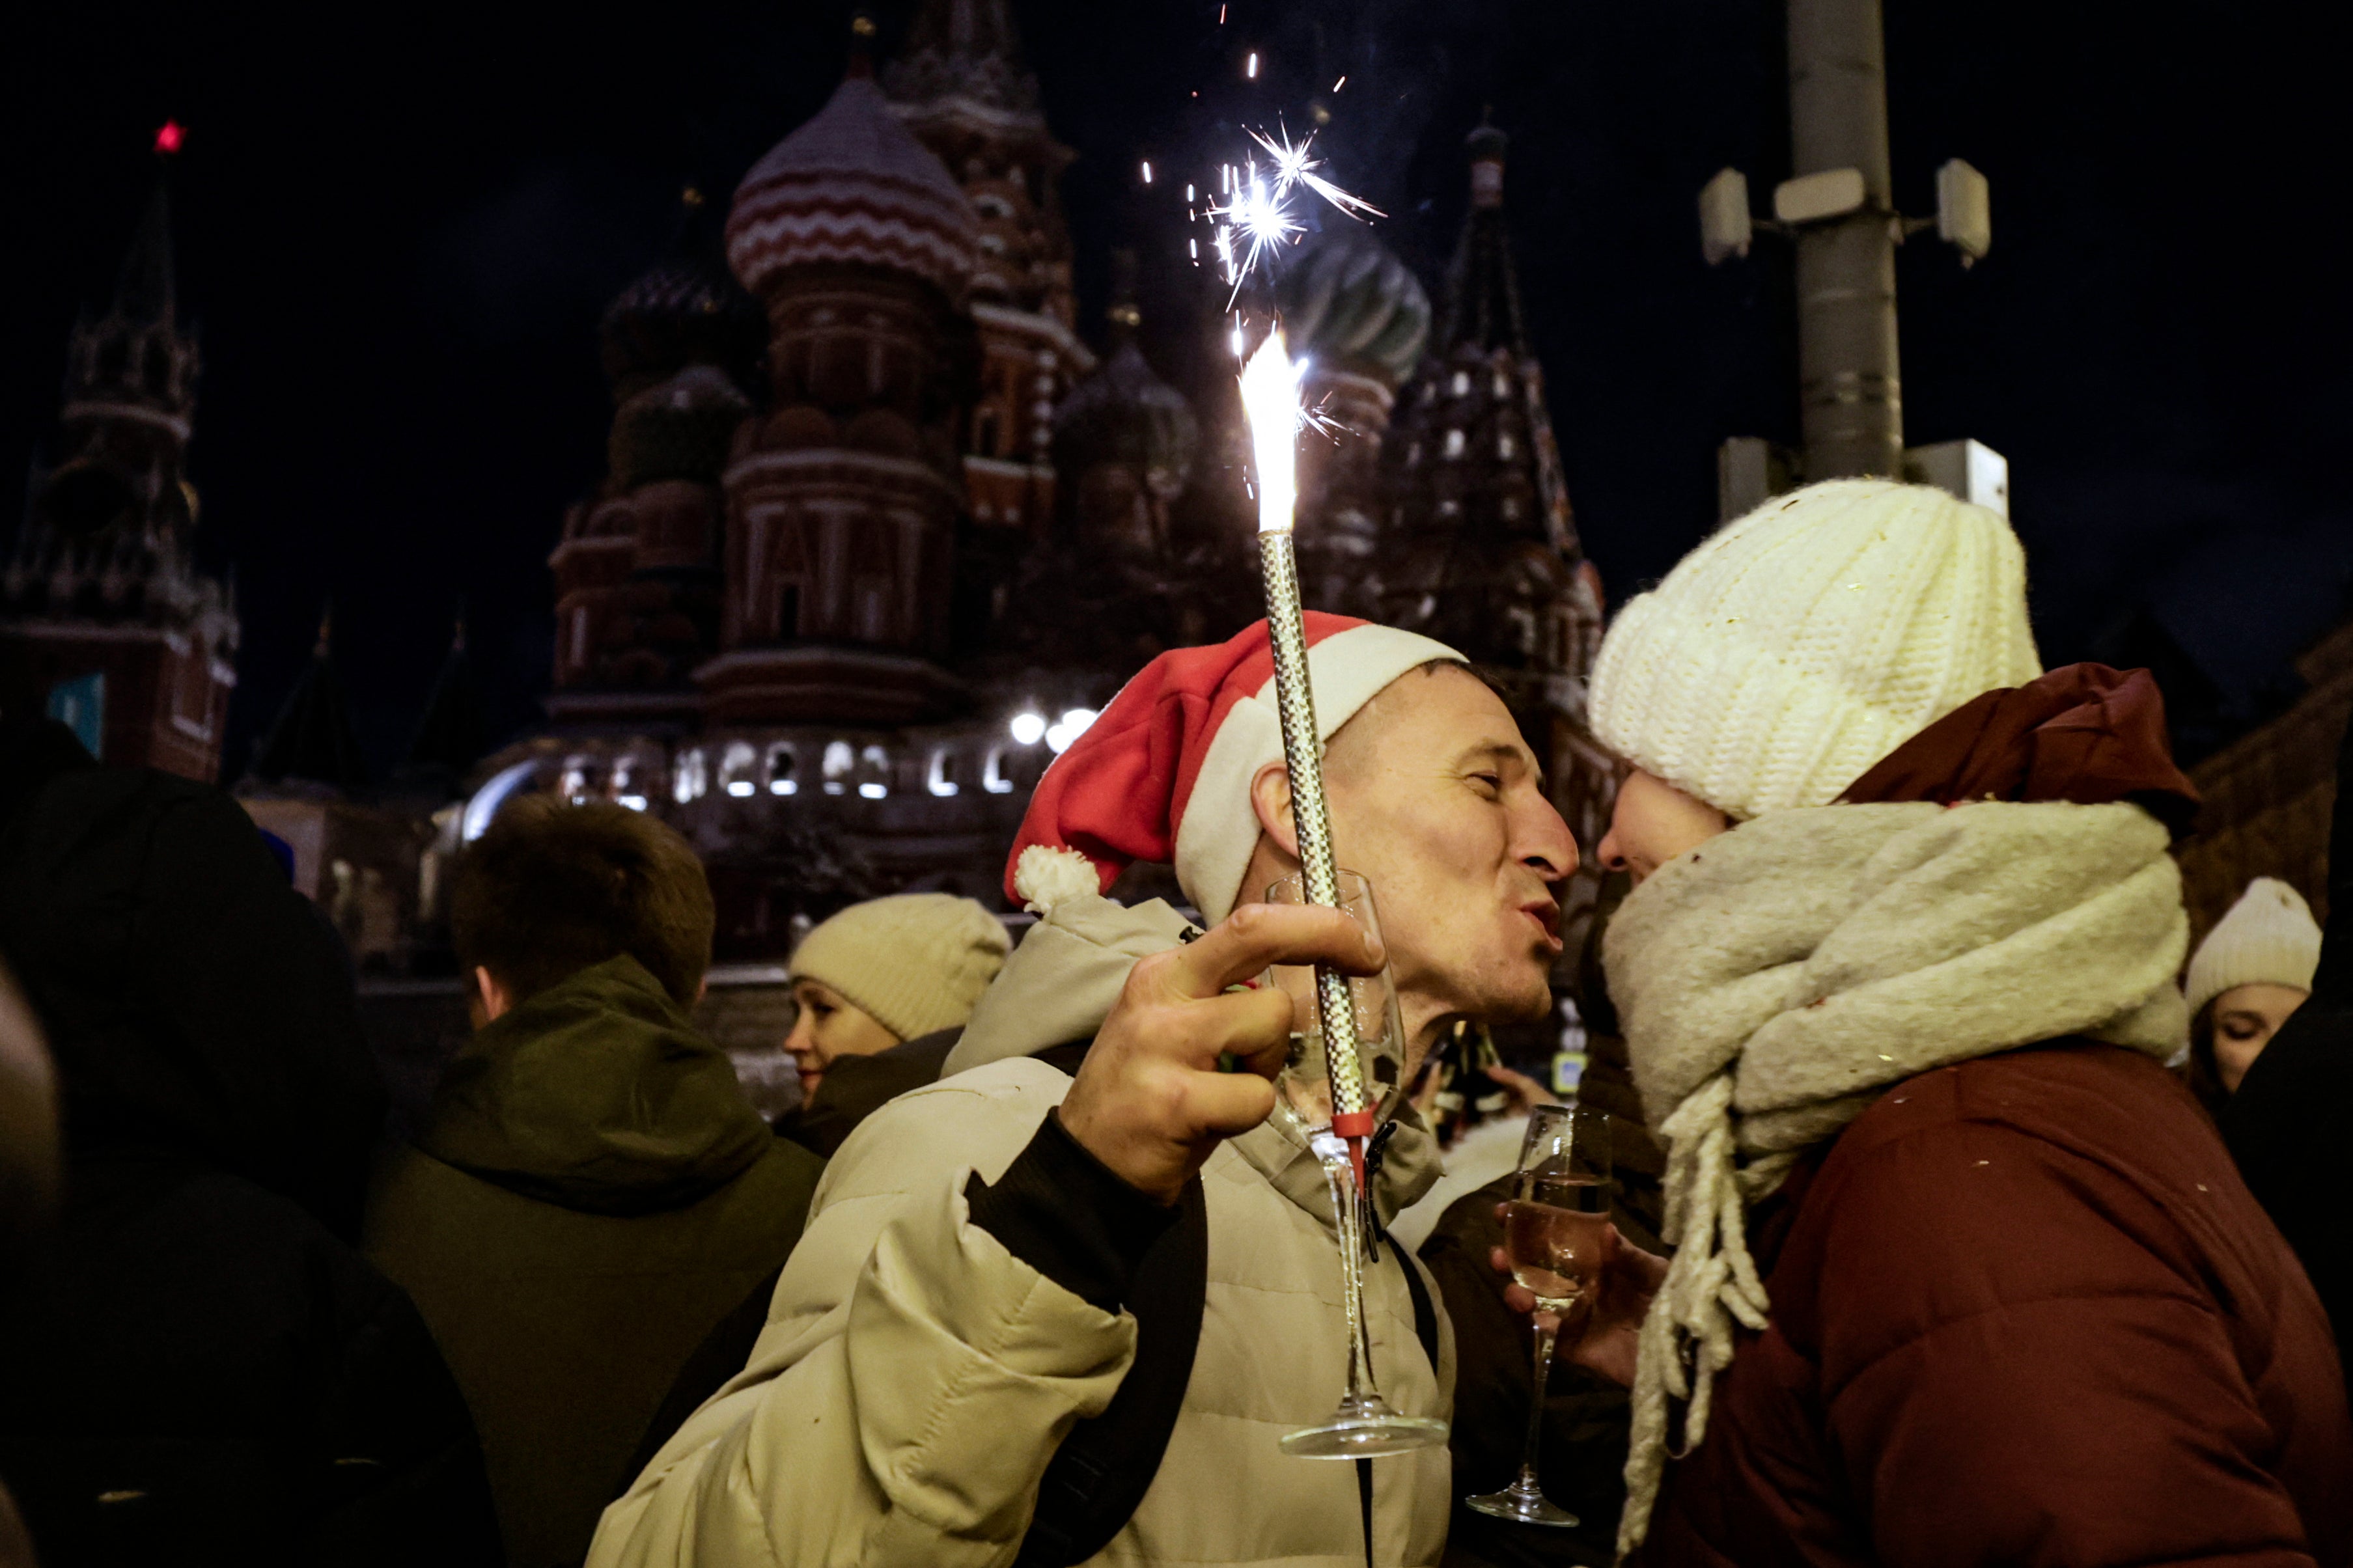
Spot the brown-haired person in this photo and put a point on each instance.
(590, 1192)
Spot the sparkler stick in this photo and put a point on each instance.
(1271, 400)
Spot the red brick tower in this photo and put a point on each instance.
(104, 620)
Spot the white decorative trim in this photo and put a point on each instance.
(1219, 830)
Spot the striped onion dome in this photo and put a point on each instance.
(852, 185)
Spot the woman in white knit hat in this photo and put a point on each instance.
(1960, 1275)
(2251, 973)
(877, 976)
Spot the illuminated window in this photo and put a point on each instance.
(838, 761)
(992, 776)
(782, 763)
(873, 773)
(1461, 387)
(737, 766)
(942, 780)
(1454, 443)
(693, 777)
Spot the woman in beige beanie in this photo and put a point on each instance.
(886, 972)
(2253, 970)
(1896, 983)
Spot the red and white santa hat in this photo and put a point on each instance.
(1164, 773)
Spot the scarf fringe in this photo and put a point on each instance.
(1710, 1286)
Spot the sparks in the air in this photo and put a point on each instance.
(1294, 166)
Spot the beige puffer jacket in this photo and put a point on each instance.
(916, 1377)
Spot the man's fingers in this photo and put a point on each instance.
(1252, 1025)
(1226, 1104)
(1245, 943)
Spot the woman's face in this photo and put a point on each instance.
(828, 1027)
(2245, 1019)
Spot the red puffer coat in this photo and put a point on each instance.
(2024, 1312)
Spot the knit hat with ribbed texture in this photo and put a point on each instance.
(916, 961)
(1800, 645)
(2269, 938)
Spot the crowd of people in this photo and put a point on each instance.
(1963, 1214)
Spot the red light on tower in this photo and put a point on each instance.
(169, 136)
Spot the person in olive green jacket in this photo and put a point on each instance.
(590, 1192)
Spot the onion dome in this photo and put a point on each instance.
(1347, 302)
(1124, 414)
(678, 428)
(686, 309)
(852, 185)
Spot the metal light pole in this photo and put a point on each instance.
(1838, 209)
(1850, 385)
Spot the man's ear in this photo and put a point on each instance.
(1270, 799)
(493, 997)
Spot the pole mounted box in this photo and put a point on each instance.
(1819, 197)
(1725, 227)
(1964, 210)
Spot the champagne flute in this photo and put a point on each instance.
(1365, 1426)
(1554, 1229)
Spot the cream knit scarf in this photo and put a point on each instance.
(1776, 980)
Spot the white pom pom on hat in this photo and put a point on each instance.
(1801, 644)
(1163, 772)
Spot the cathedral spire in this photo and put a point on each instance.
(1483, 285)
(144, 292)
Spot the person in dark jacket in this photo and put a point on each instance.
(201, 1369)
(590, 1192)
(1962, 1274)
(2285, 1125)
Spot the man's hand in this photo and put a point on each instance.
(1605, 1335)
(1149, 1101)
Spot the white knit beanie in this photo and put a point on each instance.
(1801, 644)
(916, 961)
(2268, 938)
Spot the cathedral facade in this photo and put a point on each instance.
(880, 532)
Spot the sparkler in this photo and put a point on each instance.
(1270, 384)
(1256, 215)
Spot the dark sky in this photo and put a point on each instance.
(397, 226)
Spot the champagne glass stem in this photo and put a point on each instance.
(1547, 1328)
(1339, 1180)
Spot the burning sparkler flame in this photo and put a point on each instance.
(1271, 402)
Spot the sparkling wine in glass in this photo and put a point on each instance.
(1555, 1230)
(1365, 1426)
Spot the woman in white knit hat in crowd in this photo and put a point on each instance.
(2249, 976)
(1961, 1275)
(883, 987)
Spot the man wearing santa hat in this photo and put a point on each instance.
(1062, 1304)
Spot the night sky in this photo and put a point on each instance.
(397, 226)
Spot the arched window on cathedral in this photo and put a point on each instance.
(874, 773)
(942, 780)
(783, 762)
(736, 767)
(839, 762)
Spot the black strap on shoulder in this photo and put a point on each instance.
(1364, 1501)
(1100, 1474)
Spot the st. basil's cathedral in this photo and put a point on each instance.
(880, 529)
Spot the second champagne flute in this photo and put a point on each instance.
(1554, 1229)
